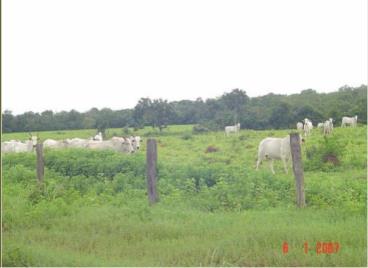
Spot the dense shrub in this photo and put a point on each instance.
(326, 155)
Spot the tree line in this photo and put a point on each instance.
(272, 111)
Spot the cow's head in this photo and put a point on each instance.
(127, 143)
(138, 141)
(33, 139)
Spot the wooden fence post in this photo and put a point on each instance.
(151, 158)
(297, 168)
(40, 161)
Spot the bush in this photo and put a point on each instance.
(197, 129)
(187, 136)
(326, 155)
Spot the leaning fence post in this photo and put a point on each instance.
(151, 157)
(40, 161)
(297, 168)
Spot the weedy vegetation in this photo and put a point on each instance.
(214, 209)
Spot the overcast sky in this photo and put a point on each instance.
(79, 54)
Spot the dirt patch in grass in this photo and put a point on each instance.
(331, 158)
(211, 149)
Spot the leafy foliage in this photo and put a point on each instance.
(230, 108)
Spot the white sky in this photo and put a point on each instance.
(79, 54)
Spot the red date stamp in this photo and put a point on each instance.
(318, 247)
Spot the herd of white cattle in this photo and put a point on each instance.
(268, 149)
(327, 126)
(279, 148)
(120, 144)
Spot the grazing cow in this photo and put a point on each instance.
(123, 145)
(275, 148)
(229, 129)
(328, 126)
(299, 126)
(308, 126)
(320, 125)
(54, 144)
(349, 121)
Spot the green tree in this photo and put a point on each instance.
(160, 113)
(280, 117)
(141, 112)
(235, 102)
(8, 120)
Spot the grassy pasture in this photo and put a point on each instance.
(214, 209)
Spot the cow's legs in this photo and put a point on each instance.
(271, 166)
(259, 161)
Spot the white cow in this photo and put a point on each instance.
(349, 121)
(98, 137)
(308, 126)
(33, 138)
(328, 126)
(299, 126)
(138, 142)
(127, 142)
(135, 141)
(121, 145)
(229, 129)
(54, 144)
(320, 125)
(7, 146)
(18, 146)
(275, 148)
(76, 143)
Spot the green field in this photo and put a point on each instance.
(214, 209)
